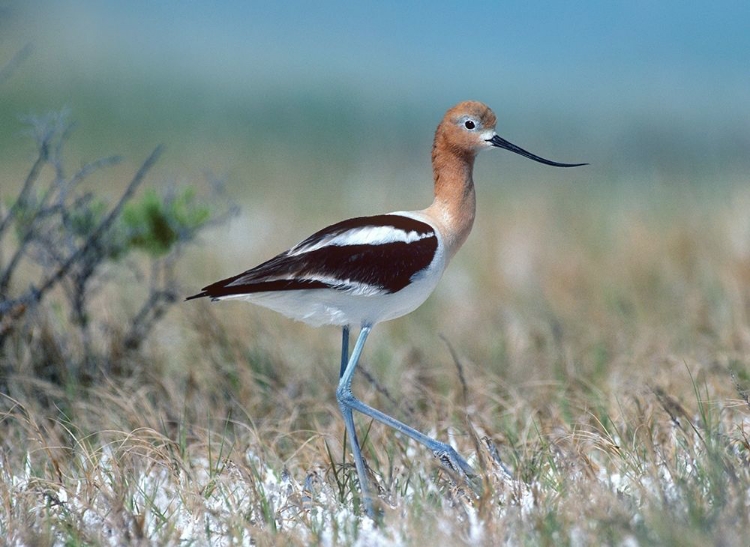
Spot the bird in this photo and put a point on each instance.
(366, 270)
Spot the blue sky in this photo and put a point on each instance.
(632, 48)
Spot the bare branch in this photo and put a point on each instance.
(42, 211)
(90, 167)
(20, 201)
(11, 66)
(34, 295)
(153, 309)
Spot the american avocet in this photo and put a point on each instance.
(366, 270)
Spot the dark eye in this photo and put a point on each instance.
(468, 124)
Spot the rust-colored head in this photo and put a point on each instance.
(466, 128)
(469, 127)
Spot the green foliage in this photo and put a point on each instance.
(156, 223)
(83, 221)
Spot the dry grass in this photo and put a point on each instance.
(601, 352)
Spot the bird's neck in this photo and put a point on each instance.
(454, 206)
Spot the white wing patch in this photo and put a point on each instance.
(369, 235)
(355, 288)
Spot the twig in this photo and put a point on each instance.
(34, 295)
(41, 211)
(495, 455)
(26, 188)
(460, 368)
(670, 406)
(151, 311)
(89, 168)
(10, 67)
(383, 390)
(742, 393)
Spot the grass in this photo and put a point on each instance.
(594, 365)
(588, 351)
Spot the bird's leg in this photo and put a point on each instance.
(347, 402)
(344, 349)
(442, 451)
(343, 395)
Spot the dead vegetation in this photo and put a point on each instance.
(590, 353)
(599, 385)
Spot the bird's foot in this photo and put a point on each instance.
(457, 465)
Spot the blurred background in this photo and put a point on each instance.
(331, 108)
(633, 87)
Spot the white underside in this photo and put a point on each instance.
(337, 307)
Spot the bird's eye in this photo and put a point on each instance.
(469, 124)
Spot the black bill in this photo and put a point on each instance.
(500, 142)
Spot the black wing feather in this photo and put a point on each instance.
(388, 267)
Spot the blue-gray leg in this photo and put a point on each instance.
(344, 349)
(343, 394)
(442, 451)
(347, 402)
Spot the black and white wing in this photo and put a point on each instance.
(365, 255)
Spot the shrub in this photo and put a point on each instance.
(70, 245)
